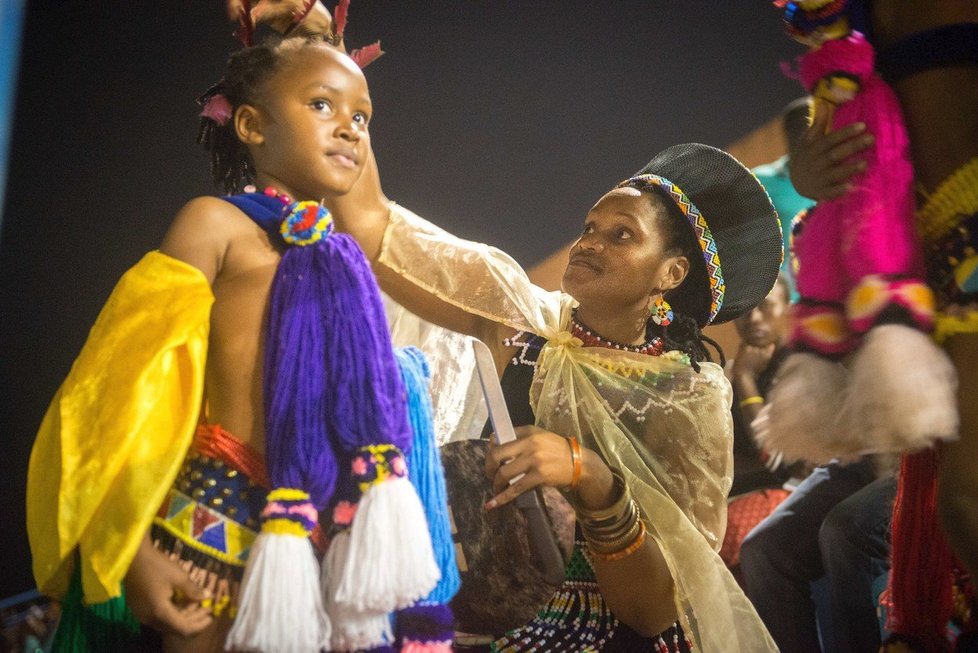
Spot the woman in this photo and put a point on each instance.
(635, 390)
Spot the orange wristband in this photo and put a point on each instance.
(576, 459)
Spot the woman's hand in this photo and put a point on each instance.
(162, 595)
(823, 162)
(362, 212)
(281, 15)
(544, 458)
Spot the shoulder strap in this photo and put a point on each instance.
(264, 210)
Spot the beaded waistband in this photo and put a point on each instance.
(211, 516)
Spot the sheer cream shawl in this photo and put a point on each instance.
(667, 428)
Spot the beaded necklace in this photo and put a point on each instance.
(270, 191)
(653, 347)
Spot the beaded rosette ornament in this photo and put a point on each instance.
(306, 223)
(334, 400)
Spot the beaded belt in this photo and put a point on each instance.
(213, 508)
(211, 516)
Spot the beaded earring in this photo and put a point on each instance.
(661, 312)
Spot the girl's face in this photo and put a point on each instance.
(313, 118)
(620, 258)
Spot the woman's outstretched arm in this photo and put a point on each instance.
(364, 213)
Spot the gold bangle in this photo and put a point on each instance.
(623, 553)
(613, 512)
(576, 459)
(750, 401)
(611, 542)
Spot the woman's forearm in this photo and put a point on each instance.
(639, 589)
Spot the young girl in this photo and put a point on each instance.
(253, 311)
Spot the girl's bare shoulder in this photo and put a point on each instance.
(202, 232)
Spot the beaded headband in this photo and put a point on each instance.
(702, 230)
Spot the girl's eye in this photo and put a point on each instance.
(361, 118)
(320, 105)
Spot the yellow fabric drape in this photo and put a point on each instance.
(666, 427)
(116, 432)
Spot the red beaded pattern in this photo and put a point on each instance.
(653, 347)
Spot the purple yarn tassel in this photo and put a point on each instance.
(298, 452)
(362, 373)
(331, 380)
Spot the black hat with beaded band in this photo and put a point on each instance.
(732, 218)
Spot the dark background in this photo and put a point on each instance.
(503, 120)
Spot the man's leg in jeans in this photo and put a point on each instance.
(855, 545)
(781, 557)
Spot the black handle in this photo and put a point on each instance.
(543, 542)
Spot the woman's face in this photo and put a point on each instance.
(620, 259)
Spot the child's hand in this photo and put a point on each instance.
(822, 163)
(162, 595)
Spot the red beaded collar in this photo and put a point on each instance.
(653, 347)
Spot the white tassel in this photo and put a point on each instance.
(391, 562)
(281, 608)
(353, 630)
(800, 416)
(902, 391)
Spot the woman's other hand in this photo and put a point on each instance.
(537, 458)
(281, 15)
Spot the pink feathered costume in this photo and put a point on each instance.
(867, 236)
(860, 276)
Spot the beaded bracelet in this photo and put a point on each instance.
(576, 459)
(623, 553)
(749, 401)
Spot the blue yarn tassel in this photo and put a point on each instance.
(425, 471)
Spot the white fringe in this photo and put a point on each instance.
(281, 608)
(902, 391)
(352, 630)
(391, 562)
(800, 416)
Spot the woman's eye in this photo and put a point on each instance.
(624, 234)
(588, 229)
